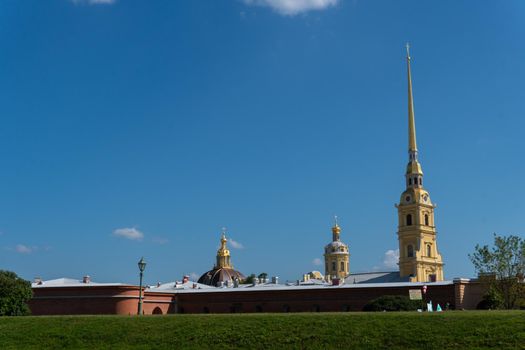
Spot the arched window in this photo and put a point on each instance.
(429, 250)
(410, 251)
(410, 181)
(334, 267)
(409, 220)
(420, 181)
(157, 311)
(426, 219)
(342, 266)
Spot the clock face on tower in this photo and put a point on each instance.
(425, 198)
(407, 199)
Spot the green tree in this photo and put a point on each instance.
(15, 292)
(249, 279)
(502, 267)
(262, 276)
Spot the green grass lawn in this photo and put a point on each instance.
(396, 330)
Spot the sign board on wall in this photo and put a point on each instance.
(415, 294)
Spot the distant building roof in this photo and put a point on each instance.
(375, 277)
(174, 286)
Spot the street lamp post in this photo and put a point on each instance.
(142, 266)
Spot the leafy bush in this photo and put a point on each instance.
(492, 300)
(392, 303)
(14, 294)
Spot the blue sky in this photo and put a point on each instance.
(137, 128)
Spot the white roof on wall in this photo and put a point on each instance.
(71, 282)
(194, 287)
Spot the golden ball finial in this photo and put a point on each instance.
(336, 228)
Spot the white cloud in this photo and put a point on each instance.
(235, 244)
(23, 249)
(94, 2)
(317, 262)
(293, 7)
(194, 276)
(391, 258)
(129, 233)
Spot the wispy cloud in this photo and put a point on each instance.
(24, 249)
(293, 7)
(235, 244)
(317, 262)
(93, 2)
(160, 240)
(129, 233)
(194, 276)
(391, 258)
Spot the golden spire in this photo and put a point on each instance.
(223, 254)
(414, 172)
(412, 146)
(336, 230)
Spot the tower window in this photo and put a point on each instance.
(410, 181)
(334, 267)
(409, 220)
(342, 266)
(410, 251)
(426, 219)
(420, 181)
(429, 250)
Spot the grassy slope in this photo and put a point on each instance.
(451, 330)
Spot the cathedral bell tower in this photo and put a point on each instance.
(419, 258)
(336, 255)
